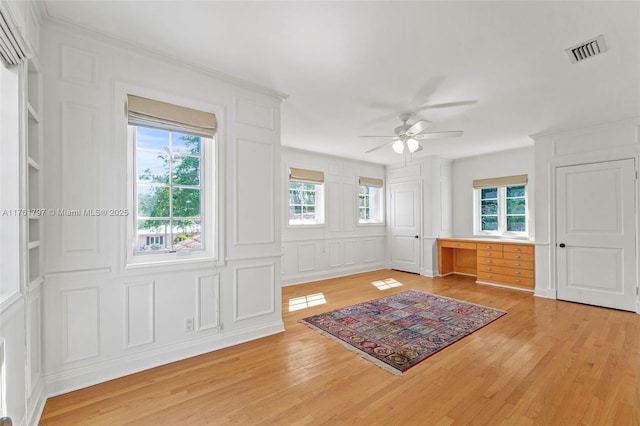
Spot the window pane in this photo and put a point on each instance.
(185, 144)
(153, 201)
(515, 206)
(490, 223)
(489, 207)
(489, 193)
(186, 170)
(149, 138)
(152, 166)
(516, 224)
(186, 235)
(152, 235)
(186, 202)
(515, 191)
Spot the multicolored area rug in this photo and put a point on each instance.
(399, 331)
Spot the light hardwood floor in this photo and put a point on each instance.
(546, 362)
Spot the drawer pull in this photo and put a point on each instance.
(488, 254)
(489, 268)
(517, 264)
(488, 260)
(488, 247)
(517, 256)
(458, 245)
(489, 275)
(517, 272)
(517, 249)
(517, 280)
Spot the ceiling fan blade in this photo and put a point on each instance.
(446, 105)
(377, 147)
(418, 127)
(440, 135)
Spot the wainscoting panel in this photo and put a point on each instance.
(349, 252)
(80, 324)
(208, 300)
(140, 313)
(335, 254)
(34, 339)
(254, 291)
(78, 159)
(349, 202)
(373, 250)
(306, 257)
(333, 196)
(254, 192)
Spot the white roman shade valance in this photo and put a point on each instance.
(13, 47)
(501, 181)
(304, 175)
(151, 113)
(373, 182)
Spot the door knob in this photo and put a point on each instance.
(416, 236)
(563, 245)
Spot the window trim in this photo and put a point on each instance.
(380, 208)
(502, 212)
(320, 205)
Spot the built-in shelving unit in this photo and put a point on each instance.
(34, 174)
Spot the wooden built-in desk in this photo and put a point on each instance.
(509, 264)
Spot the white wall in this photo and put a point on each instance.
(434, 174)
(101, 319)
(341, 246)
(504, 163)
(611, 141)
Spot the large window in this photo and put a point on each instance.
(306, 205)
(172, 179)
(501, 206)
(370, 205)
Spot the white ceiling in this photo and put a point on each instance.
(350, 68)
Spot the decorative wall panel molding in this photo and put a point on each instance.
(79, 186)
(80, 324)
(306, 257)
(254, 192)
(139, 313)
(254, 291)
(335, 254)
(208, 301)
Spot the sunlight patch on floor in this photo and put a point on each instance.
(386, 284)
(302, 302)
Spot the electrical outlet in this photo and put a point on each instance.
(188, 324)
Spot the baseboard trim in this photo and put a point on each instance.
(328, 274)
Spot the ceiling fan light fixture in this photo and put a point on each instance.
(413, 145)
(398, 146)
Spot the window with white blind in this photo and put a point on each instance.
(370, 200)
(500, 206)
(306, 197)
(172, 152)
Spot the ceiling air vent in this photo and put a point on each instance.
(586, 50)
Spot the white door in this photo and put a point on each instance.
(406, 214)
(596, 234)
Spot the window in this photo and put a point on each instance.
(172, 168)
(501, 206)
(370, 205)
(306, 197)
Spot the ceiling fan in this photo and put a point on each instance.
(407, 136)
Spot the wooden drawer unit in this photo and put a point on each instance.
(508, 280)
(457, 244)
(510, 265)
(513, 263)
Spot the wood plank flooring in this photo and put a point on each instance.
(545, 363)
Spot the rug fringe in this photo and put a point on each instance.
(364, 355)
